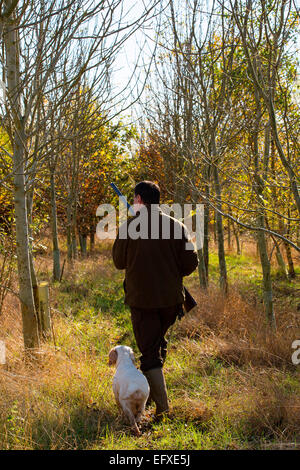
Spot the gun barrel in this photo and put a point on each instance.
(123, 199)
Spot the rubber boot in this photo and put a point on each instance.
(158, 390)
(149, 401)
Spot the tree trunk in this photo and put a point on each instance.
(206, 224)
(206, 239)
(202, 269)
(266, 268)
(29, 206)
(69, 231)
(55, 244)
(29, 318)
(288, 251)
(83, 244)
(236, 233)
(74, 243)
(34, 282)
(203, 279)
(92, 239)
(220, 233)
(258, 188)
(228, 234)
(280, 261)
(215, 227)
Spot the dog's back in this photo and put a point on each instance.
(130, 386)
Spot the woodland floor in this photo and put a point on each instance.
(231, 381)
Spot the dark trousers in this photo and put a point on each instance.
(150, 326)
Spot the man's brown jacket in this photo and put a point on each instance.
(154, 267)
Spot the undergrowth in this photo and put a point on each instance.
(230, 380)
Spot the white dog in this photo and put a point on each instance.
(130, 386)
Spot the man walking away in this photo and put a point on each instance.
(151, 247)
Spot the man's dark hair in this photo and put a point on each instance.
(149, 192)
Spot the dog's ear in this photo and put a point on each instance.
(112, 357)
(132, 357)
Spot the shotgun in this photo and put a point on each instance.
(123, 199)
(189, 302)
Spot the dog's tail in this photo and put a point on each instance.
(138, 395)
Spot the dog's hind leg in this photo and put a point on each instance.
(116, 393)
(139, 412)
(130, 417)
